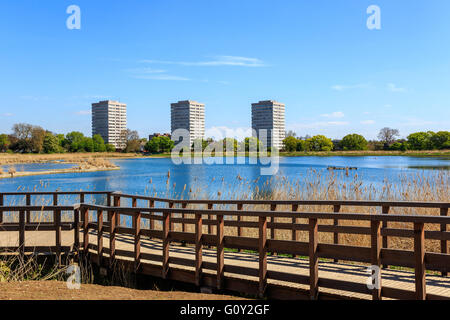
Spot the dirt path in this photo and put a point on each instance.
(57, 290)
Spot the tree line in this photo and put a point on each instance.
(27, 138)
(388, 139)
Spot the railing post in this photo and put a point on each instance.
(336, 209)
(151, 204)
(385, 210)
(112, 237)
(262, 248)
(100, 236)
(419, 252)
(137, 240)
(57, 221)
(240, 207)
(210, 207)
(171, 204)
(22, 234)
(85, 213)
(166, 244)
(313, 260)
(294, 221)
(134, 205)
(1, 204)
(376, 244)
(28, 201)
(444, 247)
(55, 199)
(183, 216)
(108, 204)
(220, 251)
(117, 204)
(198, 248)
(76, 228)
(273, 207)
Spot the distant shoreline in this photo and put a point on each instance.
(432, 153)
(56, 171)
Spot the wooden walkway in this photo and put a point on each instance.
(208, 256)
(353, 273)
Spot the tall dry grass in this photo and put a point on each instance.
(8, 159)
(431, 186)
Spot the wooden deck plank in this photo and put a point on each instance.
(358, 274)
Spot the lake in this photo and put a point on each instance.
(149, 176)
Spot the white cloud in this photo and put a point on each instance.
(217, 61)
(221, 132)
(393, 88)
(166, 77)
(145, 71)
(341, 87)
(368, 122)
(7, 114)
(337, 114)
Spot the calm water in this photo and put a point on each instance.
(150, 176)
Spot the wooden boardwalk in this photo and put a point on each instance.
(207, 256)
(349, 272)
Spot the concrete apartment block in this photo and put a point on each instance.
(269, 115)
(109, 119)
(189, 115)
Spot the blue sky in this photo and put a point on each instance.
(318, 57)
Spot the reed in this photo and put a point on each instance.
(315, 185)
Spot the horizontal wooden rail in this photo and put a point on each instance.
(105, 222)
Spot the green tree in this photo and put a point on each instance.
(166, 144)
(50, 144)
(230, 143)
(37, 139)
(290, 144)
(420, 140)
(252, 143)
(354, 142)
(99, 143)
(153, 145)
(302, 145)
(441, 140)
(110, 148)
(74, 141)
(87, 145)
(320, 143)
(4, 142)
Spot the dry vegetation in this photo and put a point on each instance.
(83, 162)
(432, 186)
(8, 159)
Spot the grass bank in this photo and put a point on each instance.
(80, 165)
(8, 159)
(365, 153)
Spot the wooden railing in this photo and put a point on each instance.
(377, 254)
